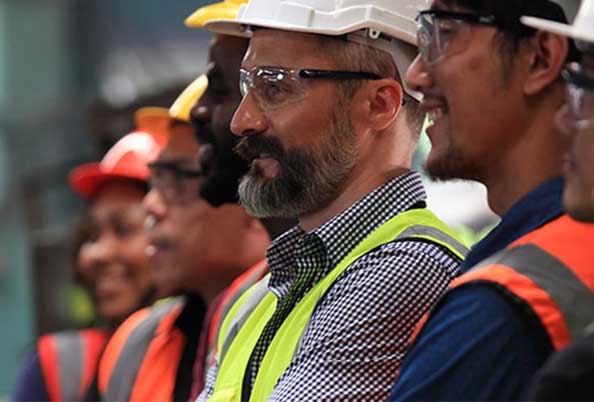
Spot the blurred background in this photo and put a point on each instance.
(72, 72)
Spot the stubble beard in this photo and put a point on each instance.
(453, 165)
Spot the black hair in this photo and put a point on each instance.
(507, 13)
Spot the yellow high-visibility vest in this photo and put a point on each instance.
(246, 319)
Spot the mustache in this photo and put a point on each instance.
(251, 147)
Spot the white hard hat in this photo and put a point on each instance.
(375, 23)
(582, 28)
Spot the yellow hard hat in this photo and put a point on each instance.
(158, 120)
(181, 108)
(224, 10)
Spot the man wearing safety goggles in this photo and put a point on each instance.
(327, 138)
(492, 87)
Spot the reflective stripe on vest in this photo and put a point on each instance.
(552, 270)
(232, 294)
(118, 376)
(245, 307)
(248, 317)
(68, 362)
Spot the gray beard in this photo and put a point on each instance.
(307, 181)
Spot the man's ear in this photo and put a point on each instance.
(384, 99)
(547, 56)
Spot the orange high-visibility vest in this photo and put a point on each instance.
(551, 271)
(69, 360)
(141, 360)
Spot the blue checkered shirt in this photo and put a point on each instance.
(358, 334)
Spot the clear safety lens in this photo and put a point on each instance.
(439, 37)
(581, 105)
(175, 184)
(580, 96)
(272, 87)
(564, 121)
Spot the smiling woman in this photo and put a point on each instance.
(111, 264)
(112, 261)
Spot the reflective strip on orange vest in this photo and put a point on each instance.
(157, 375)
(69, 360)
(562, 296)
(115, 346)
(94, 343)
(146, 338)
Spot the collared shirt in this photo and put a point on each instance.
(539, 206)
(478, 345)
(359, 331)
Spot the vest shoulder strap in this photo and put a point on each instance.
(231, 296)
(240, 313)
(534, 270)
(121, 380)
(69, 360)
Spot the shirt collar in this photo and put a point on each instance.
(369, 213)
(344, 232)
(541, 205)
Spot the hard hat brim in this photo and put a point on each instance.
(182, 107)
(239, 28)
(86, 180)
(557, 28)
(218, 11)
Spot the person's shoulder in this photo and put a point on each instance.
(54, 342)
(481, 305)
(476, 330)
(154, 313)
(396, 270)
(482, 316)
(410, 253)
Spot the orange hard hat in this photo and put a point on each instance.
(127, 159)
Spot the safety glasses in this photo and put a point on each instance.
(579, 111)
(445, 32)
(275, 87)
(175, 183)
